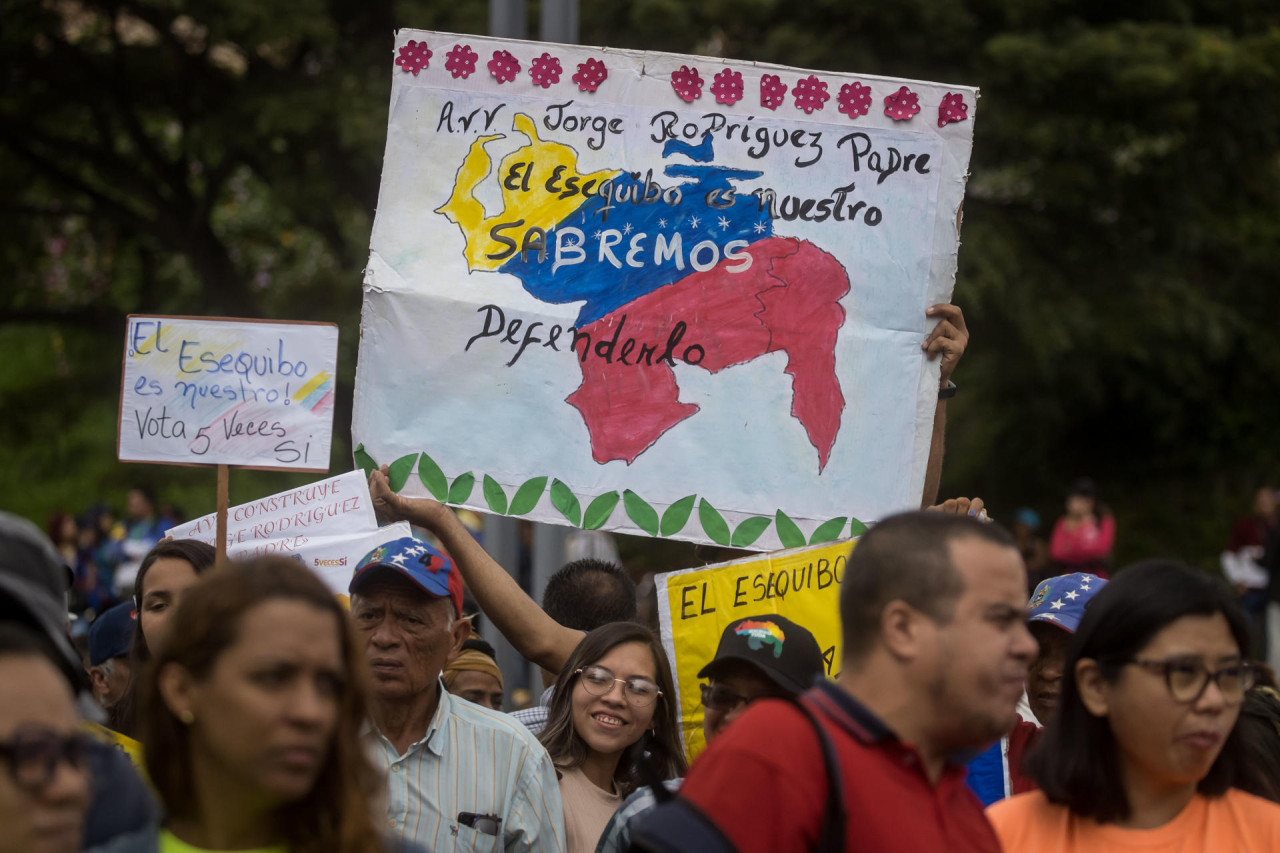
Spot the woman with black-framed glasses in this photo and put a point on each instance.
(614, 701)
(44, 773)
(1142, 751)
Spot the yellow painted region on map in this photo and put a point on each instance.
(529, 200)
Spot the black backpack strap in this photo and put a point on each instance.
(831, 836)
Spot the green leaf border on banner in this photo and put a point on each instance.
(601, 508)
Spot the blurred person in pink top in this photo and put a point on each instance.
(1083, 538)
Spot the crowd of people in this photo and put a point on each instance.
(995, 691)
(104, 549)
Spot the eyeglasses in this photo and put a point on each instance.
(721, 698)
(599, 681)
(34, 752)
(1187, 678)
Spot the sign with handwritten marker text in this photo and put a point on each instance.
(695, 606)
(216, 391)
(665, 295)
(327, 526)
(336, 506)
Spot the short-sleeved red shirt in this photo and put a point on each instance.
(764, 786)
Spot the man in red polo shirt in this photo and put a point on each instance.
(936, 651)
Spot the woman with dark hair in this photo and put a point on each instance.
(250, 715)
(614, 701)
(1141, 751)
(166, 572)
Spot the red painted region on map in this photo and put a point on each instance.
(788, 301)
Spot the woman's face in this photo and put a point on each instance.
(1079, 506)
(266, 713)
(610, 723)
(162, 586)
(1161, 740)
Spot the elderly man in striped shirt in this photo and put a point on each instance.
(460, 777)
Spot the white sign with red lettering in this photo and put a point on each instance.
(327, 525)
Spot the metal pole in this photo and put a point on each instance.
(560, 21)
(507, 19)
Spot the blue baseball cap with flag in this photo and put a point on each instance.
(111, 634)
(432, 571)
(1061, 600)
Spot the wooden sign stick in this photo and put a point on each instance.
(223, 483)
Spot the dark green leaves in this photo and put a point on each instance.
(398, 472)
(494, 496)
(599, 510)
(527, 496)
(364, 461)
(789, 534)
(645, 517)
(433, 478)
(677, 516)
(461, 488)
(749, 531)
(713, 523)
(828, 530)
(563, 499)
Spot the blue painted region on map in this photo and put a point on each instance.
(607, 287)
(702, 152)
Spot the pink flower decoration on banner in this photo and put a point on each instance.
(591, 74)
(772, 91)
(414, 57)
(727, 87)
(687, 82)
(545, 71)
(951, 109)
(902, 104)
(811, 94)
(461, 61)
(854, 100)
(504, 67)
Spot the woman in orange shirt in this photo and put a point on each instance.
(1141, 753)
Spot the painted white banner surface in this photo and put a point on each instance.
(659, 294)
(215, 391)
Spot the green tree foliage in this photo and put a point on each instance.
(1120, 226)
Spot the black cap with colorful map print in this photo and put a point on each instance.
(786, 653)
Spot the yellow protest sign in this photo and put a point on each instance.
(696, 605)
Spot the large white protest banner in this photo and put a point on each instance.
(659, 294)
(327, 525)
(217, 391)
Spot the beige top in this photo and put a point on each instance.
(587, 810)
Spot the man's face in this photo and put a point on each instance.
(980, 662)
(111, 682)
(1044, 679)
(479, 687)
(137, 507)
(734, 686)
(407, 635)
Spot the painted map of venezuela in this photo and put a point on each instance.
(673, 269)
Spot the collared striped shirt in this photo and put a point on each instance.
(472, 760)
